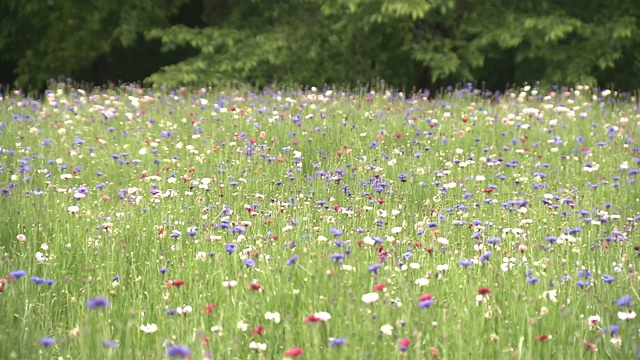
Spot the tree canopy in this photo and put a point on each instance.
(422, 43)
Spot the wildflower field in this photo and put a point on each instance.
(321, 224)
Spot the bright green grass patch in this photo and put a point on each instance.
(195, 217)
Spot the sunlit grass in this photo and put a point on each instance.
(245, 225)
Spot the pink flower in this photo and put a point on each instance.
(403, 344)
(293, 352)
(379, 287)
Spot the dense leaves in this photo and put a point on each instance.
(410, 42)
(48, 38)
(405, 42)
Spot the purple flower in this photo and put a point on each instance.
(613, 329)
(293, 260)
(47, 341)
(230, 248)
(425, 304)
(580, 284)
(532, 279)
(373, 268)
(162, 270)
(175, 234)
(337, 258)
(17, 274)
(109, 344)
(238, 229)
(608, 278)
(625, 301)
(484, 257)
(178, 351)
(338, 342)
(99, 302)
(586, 273)
(493, 240)
(335, 232)
(465, 262)
(249, 263)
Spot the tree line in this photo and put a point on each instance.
(407, 43)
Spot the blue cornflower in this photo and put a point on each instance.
(532, 279)
(624, 301)
(335, 232)
(373, 268)
(338, 342)
(493, 240)
(176, 234)
(613, 329)
(581, 284)
(586, 273)
(17, 274)
(171, 312)
(109, 344)
(162, 270)
(249, 263)
(230, 248)
(465, 262)
(402, 177)
(37, 280)
(425, 304)
(337, 258)
(293, 260)
(238, 229)
(484, 257)
(178, 351)
(528, 272)
(99, 302)
(47, 341)
(608, 278)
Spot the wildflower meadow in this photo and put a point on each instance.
(319, 224)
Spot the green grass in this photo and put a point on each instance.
(525, 146)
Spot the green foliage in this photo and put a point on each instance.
(48, 38)
(405, 41)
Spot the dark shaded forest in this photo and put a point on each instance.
(412, 44)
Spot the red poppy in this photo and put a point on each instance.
(255, 287)
(484, 291)
(312, 318)
(425, 297)
(205, 340)
(257, 330)
(590, 346)
(403, 344)
(542, 337)
(379, 287)
(293, 352)
(177, 283)
(209, 308)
